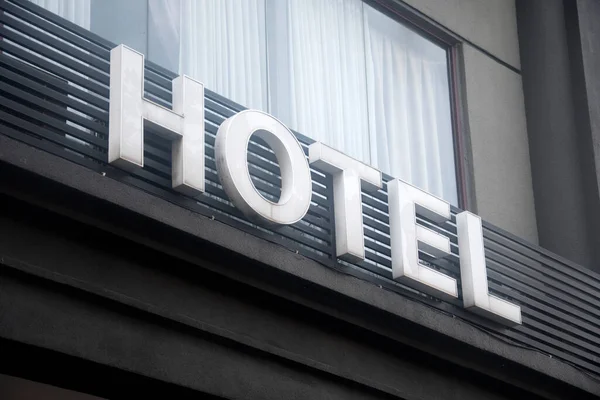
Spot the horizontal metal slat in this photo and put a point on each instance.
(385, 273)
(254, 145)
(574, 294)
(380, 194)
(52, 68)
(563, 334)
(447, 265)
(317, 210)
(372, 256)
(46, 78)
(223, 101)
(61, 22)
(560, 324)
(315, 230)
(253, 149)
(58, 124)
(563, 339)
(59, 111)
(542, 255)
(47, 92)
(378, 248)
(154, 166)
(377, 216)
(217, 120)
(585, 289)
(210, 163)
(375, 235)
(377, 225)
(158, 91)
(156, 154)
(374, 203)
(541, 301)
(56, 30)
(321, 222)
(101, 65)
(218, 117)
(97, 81)
(551, 267)
(286, 231)
(218, 108)
(543, 338)
(252, 158)
(157, 79)
(306, 229)
(382, 271)
(46, 134)
(227, 212)
(276, 238)
(257, 162)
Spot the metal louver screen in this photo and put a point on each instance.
(54, 96)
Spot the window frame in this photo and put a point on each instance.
(453, 44)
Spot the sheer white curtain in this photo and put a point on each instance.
(223, 45)
(76, 11)
(317, 71)
(409, 111)
(164, 33)
(343, 73)
(338, 71)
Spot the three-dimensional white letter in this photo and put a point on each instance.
(473, 272)
(348, 174)
(231, 150)
(129, 110)
(407, 237)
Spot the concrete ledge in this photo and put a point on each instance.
(102, 187)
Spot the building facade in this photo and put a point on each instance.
(124, 273)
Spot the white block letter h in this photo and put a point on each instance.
(130, 111)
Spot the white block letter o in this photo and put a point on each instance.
(231, 147)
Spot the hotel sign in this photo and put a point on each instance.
(184, 127)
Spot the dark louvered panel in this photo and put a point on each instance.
(54, 95)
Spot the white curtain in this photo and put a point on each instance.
(409, 111)
(317, 71)
(76, 11)
(223, 46)
(164, 33)
(338, 71)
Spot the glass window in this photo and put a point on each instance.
(338, 71)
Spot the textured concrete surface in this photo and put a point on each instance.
(555, 142)
(498, 129)
(489, 24)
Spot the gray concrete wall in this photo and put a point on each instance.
(552, 117)
(498, 129)
(495, 108)
(488, 24)
(583, 33)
